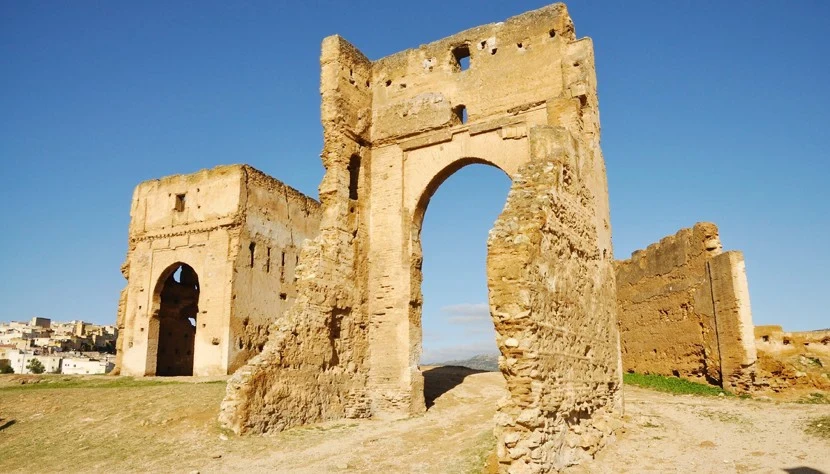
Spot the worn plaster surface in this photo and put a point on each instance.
(210, 265)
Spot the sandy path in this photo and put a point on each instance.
(666, 433)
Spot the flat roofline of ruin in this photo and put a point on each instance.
(249, 171)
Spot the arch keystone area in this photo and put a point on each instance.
(349, 346)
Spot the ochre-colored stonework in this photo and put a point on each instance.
(394, 130)
(684, 310)
(210, 266)
(790, 360)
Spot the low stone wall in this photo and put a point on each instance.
(790, 360)
(684, 310)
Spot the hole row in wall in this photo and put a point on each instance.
(461, 57)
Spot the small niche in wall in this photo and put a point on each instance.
(268, 260)
(179, 204)
(461, 55)
(282, 267)
(354, 176)
(252, 249)
(283, 296)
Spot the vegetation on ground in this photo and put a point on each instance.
(100, 381)
(815, 398)
(819, 427)
(674, 385)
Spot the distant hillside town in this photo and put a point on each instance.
(42, 346)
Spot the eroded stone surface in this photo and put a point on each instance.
(210, 266)
(394, 130)
(684, 310)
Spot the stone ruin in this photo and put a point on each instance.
(684, 310)
(518, 95)
(793, 360)
(211, 259)
(216, 264)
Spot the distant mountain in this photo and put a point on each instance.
(485, 362)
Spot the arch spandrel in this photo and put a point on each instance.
(425, 168)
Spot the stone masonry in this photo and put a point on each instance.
(211, 263)
(684, 310)
(518, 95)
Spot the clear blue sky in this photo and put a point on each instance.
(713, 111)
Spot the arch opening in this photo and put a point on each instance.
(450, 311)
(176, 311)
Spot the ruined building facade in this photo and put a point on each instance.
(211, 263)
(518, 95)
(684, 310)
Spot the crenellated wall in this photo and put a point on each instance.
(684, 310)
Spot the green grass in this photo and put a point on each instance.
(819, 427)
(673, 385)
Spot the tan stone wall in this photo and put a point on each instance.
(206, 220)
(551, 279)
(351, 344)
(277, 221)
(684, 310)
(314, 366)
(792, 360)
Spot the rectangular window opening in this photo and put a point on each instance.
(460, 112)
(268, 260)
(180, 200)
(252, 249)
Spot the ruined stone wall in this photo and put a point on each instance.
(550, 275)
(278, 221)
(164, 232)
(684, 310)
(394, 130)
(313, 367)
(207, 221)
(790, 360)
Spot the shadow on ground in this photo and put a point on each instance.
(803, 470)
(442, 379)
(5, 424)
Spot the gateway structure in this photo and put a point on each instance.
(520, 96)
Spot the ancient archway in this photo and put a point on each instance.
(520, 95)
(418, 259)
(176, 307)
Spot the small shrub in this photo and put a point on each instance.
(819, 427)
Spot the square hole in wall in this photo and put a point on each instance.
(180, 200)
(461, 54)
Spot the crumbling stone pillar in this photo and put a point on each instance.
(733, 318)
(552, 298)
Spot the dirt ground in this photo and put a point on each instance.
(145, 426)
